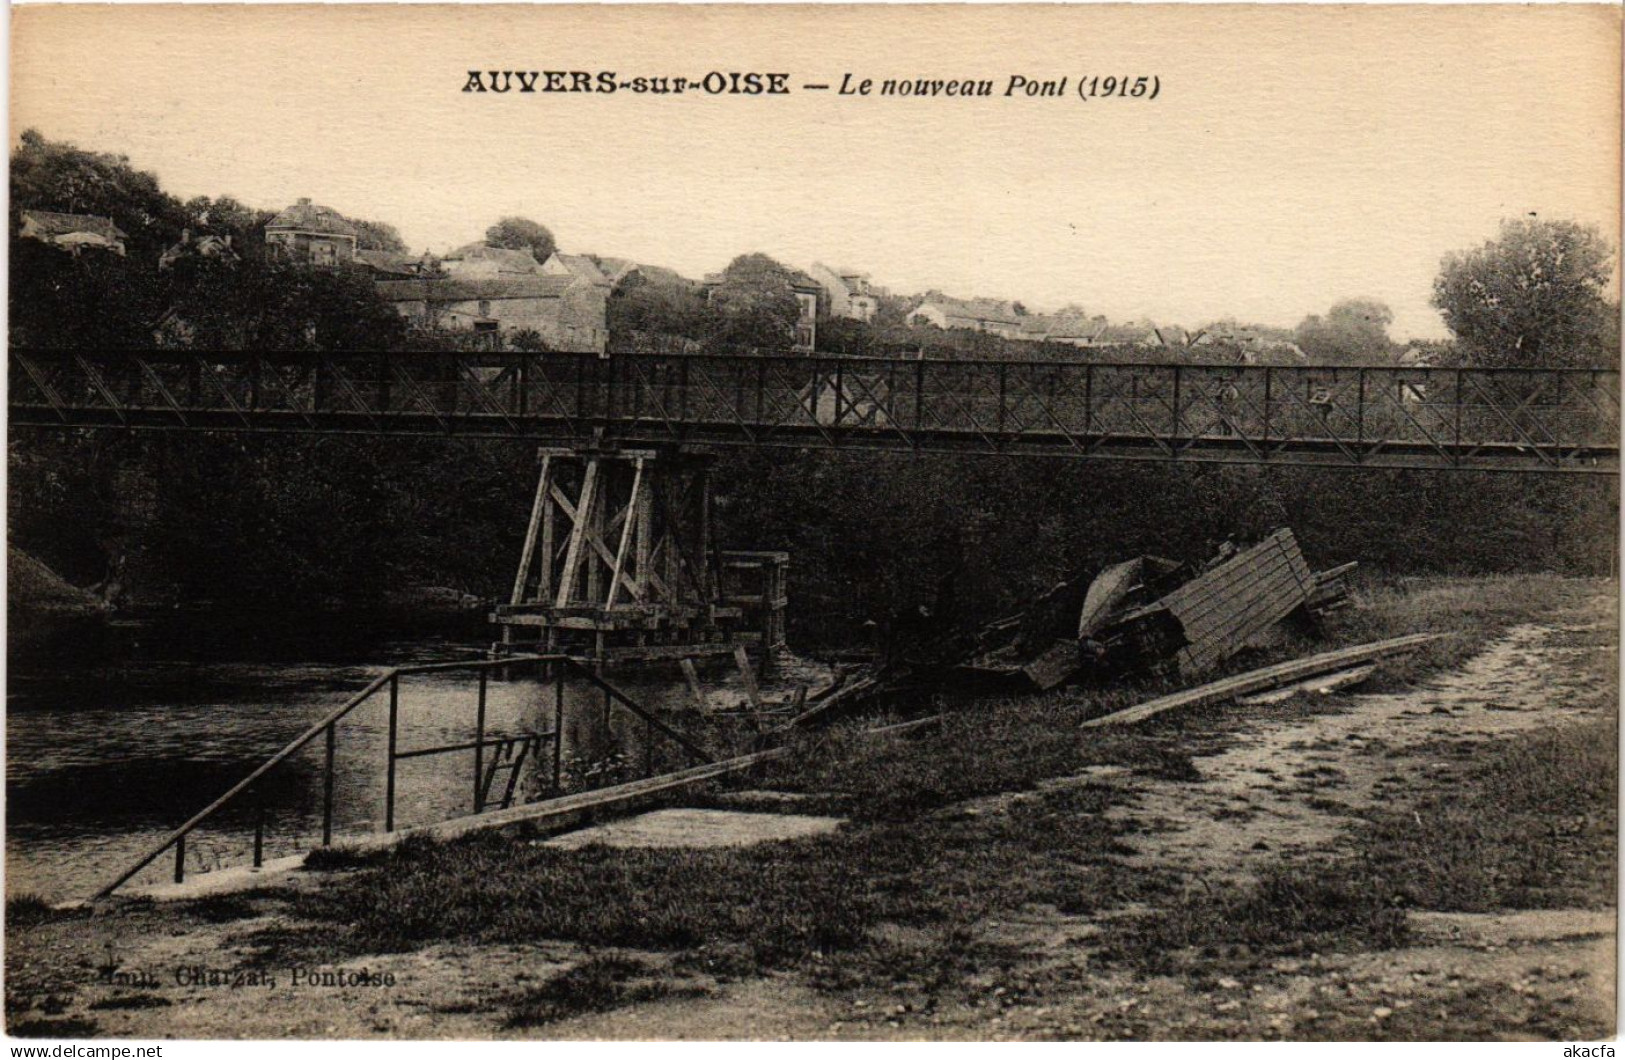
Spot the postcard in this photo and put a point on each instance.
(814, 523)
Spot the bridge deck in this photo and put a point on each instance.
(1498, 419)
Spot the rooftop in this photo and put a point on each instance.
(306, 216)
(521, 262)
(461, 289)
(49, 223)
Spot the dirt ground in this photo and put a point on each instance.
(1288, 786)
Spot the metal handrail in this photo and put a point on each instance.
(328, 725)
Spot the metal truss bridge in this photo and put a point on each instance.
(1528, 420)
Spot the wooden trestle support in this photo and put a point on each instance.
(620, 564)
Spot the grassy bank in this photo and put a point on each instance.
(898, 896)
(1529, 824)
(1007, 810)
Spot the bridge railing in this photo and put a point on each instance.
(493, 755)
(1557, 418)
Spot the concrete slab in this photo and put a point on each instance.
(697, 828)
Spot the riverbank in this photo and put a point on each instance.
(1431, 858)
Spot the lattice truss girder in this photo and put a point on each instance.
(1435, 417)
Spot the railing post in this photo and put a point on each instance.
(648, 749)
(682, 386)
(1359, 422)
(1458, 397)
(761, 393)
(389, 779)
(581, 393)
(919, 393)
(840, 393)
(558, 725)
(327, 788)
(1088, 399)
(1173, 439)
(259, 832)
(1002, 385)
(1269, 381)
(180, 859)
(479, 746)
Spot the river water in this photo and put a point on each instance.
(109, 749)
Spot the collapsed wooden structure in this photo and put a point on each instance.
(1146, 615)
(1213, 615)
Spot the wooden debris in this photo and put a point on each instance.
(1142, 615)
(692, 676)
(1106, 594)
(1330, 592)
(1053, 667)
(1268, 677)
(748, 675)
(1219, 609)
(1315, 686)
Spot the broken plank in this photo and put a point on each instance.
(692, 676)
(1322, 685)
(751, 691)
(1054, 666)
(1268, 677)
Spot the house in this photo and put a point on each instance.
(1172, 336)
(1135, 334)
(848, 292)
(309, 234)
(71, 231)
(568, 313)
(389, 264)
(206, 245)
(807, 292)
(1253, 345)
(1067, 328)
(614, 271)
(977, 314)
(580, 266)
(481, 259)
(634, 274)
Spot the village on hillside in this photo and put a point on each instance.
(515, 288)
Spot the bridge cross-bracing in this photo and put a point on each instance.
(1513, 419)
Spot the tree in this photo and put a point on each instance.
(377, 235)
(226, 216)
(640, 307)
(1354, 331)
(92, 300)
(267, 305)
(1532, 298)
(46, 175)
(519, 233)
(846, 337)
(754, 307)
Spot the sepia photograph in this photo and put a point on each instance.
(812, 522)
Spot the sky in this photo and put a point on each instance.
(1294, 156)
